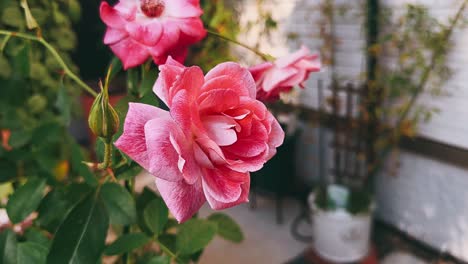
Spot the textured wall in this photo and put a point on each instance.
(428, 200)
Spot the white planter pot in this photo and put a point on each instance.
(339, 236)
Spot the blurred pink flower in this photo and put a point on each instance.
(273, 78)
(203, 149)
(138, 29)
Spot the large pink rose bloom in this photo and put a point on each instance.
(203, 149)
(273, 78)
(138, 29)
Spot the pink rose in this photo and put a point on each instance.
(285, 73)
(203, 149)
(138, 29)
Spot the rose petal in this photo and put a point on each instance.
(182, 199)
(245, 148)
(167, 76)
(217, 100)
(130, 52)
(216, 183)
(241, 79)
(193, 29)
(110, 16)
(114, 35)
(243, 198)
(276, 76)
(259, 70)
(133, 140)
(220, 129)
(190, 80)
(293, 58)
(164, 160)
(183, 8)
(147, 34)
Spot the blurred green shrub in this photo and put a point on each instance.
(36, 104)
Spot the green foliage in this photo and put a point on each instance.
(33, 93)
(194, 235)
(25, 200)
(127, 243)
(211, 51)
(80, 238)
(119, 203)
(227, 227)
(30, 252)
(8, 247)
(156, 215)
(418, 43)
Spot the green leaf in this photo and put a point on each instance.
(19, 138)
(58, 203)
(80, 238)
(119, 203)
(8, 247)
(77, 159)
(63, 103)
(227, 227)
(150, 99)
(30, 252)
(128, 172)
(141, 202)
(159, 260)
(156, 215)
(12, 17)
(37, 236)
(25, 199)
(116, 65)
(21, 64)
(194, 235)
(47, 133)
(127, 243)
(7, 170)
(148, 81)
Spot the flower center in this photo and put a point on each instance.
(152, 8)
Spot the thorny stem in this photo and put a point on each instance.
(54, 53)
(260, 54)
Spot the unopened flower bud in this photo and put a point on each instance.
(103, 119)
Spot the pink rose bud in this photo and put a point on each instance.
(273, 78)
(139, 29)
(205, 147)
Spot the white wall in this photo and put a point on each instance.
(427, 199)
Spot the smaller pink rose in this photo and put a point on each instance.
(273, 78)
(139, 29)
